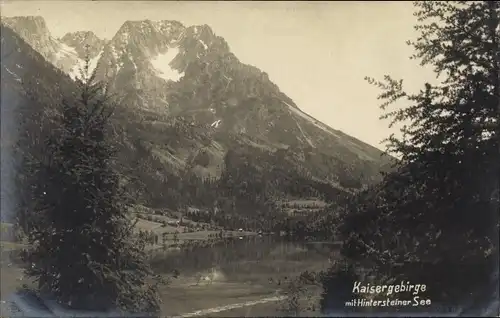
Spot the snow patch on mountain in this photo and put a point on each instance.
(16, 77)
(80, 65)
(216, 123)
(162, 62)
(204, 44)
(115, 58)
(311, 120)
(93, 62)
(65, 51)
(306, 138)
(113, 52)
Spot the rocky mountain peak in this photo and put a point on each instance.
(34, 30)
(143, 32)
(80, 39)
(170, 73)
(28, 25)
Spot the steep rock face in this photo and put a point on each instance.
(34, 31)
(186, 100)
(84, 42)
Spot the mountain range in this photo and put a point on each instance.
(188, 108)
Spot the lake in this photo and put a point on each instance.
(236, 271)
(237, 277)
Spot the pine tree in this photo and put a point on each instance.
(433, 219)
(84, 250)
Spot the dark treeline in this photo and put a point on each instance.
(241, 179)
(295, 228)
(434, 219)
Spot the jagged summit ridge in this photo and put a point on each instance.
(169, 73)
(150, 36)
(80, 40)
(152, 56)
(142, 49)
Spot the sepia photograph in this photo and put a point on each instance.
(250, 158)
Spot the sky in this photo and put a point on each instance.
(318, 53)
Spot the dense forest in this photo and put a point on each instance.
(242, 180)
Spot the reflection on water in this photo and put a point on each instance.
(251, 259)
